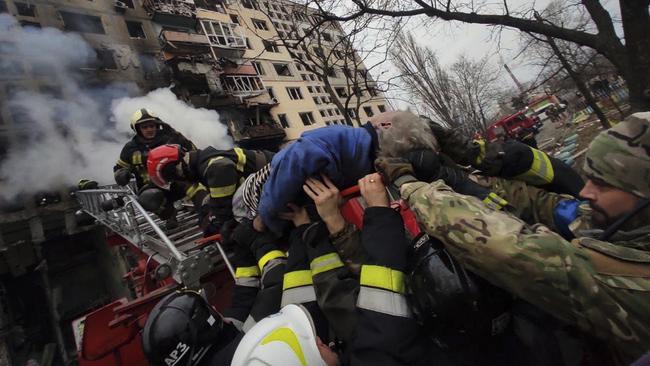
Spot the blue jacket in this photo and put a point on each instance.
(344, 154)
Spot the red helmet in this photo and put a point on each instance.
(161, 164)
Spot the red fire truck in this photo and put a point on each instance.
(514, 126)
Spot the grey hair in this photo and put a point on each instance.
(407, 132)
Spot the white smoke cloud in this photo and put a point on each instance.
(79, 135)
(200, 125)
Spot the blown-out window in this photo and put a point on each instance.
(222, 34)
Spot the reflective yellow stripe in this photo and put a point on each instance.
(325, 263)
(269, 256)
(136, 158)
(226, 191)
(123, 164)
(241, 159)
(214, 160)
(252, 271)
(494, 201)
(540, 172)
(194, 188)
(296, 279)
(382, 277)
(481, 154)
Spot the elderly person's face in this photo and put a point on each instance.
(383, 120)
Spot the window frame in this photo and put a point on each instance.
(298, 95)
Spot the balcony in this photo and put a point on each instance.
(225, 39)
(175, 13)
(258, 132)
(242, 80)
(243, 86)
(184, 43)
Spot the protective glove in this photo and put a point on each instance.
(244, 234)
(425, 163)
(441, 133)
(226, 232)
(122, 177)
(456, 144)
(87, 184)
(395, 171)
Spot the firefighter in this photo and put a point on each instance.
(510, 159)
(184, 329)
(151, 132)
(386, 333)
(221, 171)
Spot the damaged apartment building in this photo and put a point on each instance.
(227, 55)
(56, 265)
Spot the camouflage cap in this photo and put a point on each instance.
(620, 156)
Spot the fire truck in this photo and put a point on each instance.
(166, 261)
(514, 126)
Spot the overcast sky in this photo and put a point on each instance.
(451, 39)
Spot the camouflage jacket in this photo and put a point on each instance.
(602, 288)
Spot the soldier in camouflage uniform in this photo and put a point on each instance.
(600, 280)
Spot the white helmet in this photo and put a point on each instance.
(286, 338)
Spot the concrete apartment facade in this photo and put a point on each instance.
(155, 42)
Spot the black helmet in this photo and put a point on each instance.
(180, 330)
(152, 198)
(453, 305)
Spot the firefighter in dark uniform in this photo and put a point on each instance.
(151, 132)
(184, 329)
(220, 171)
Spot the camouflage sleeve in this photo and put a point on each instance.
(529, 203)
(533, 263)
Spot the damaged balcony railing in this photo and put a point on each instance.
(175, 249)
(243, 85)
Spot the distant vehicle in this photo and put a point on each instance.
(514, 126)
(542, 112)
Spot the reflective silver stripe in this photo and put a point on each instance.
(272, 264)
(248, 281)
(383, 301)
(248, 324)
(298, 295)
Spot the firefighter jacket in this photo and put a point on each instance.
(386, 333)
(221, 172)
(256, 295)
(298, 285)
(336, 287)
(133, 156)
(344, 154)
